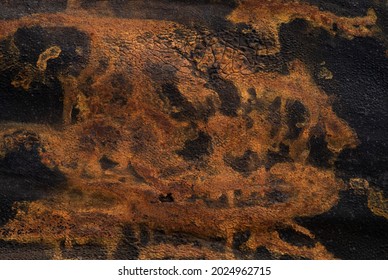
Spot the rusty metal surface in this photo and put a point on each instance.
(193, 129)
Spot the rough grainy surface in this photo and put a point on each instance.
(193, 129)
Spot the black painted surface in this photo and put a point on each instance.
(348, 8)
(173, 98)
(128, 248)
(319, 155)
(359, 84)
(296, 238)
(87, 251)
(19, 8)
(11, 250)
(197, 148)
(358, 87)
(203, 12)
(40, 98)
(107, 163)
(350, 230)
(22, 175)
(296, 114)
(279, 156)
(227, 92)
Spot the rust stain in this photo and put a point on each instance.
(128, 157)
(51, 53)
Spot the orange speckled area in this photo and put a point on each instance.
(177, 132)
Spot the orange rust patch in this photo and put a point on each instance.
(123, 119)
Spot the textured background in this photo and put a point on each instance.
(134, 129)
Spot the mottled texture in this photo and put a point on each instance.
(193, 129)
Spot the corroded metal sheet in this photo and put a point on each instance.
(193, 129)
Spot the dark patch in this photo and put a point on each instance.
(7, 212)
(291, 257)
(23, 177)
(41, 103)
(160, 236)
(347, 8)
(245, 164)
(335, 27)
(359, 83)
(198, 148)
(166, 198)
(193, 198)
(88, 4)
(182, 109)
(74, 114)
(107, 163)
(382, 181)
(119, 98)
(252, 93)
(204, 12)
(274, 157)
(217, 244)
(176, 238)
(381, 10)
(368, 160)
(206, 110)
(274, 116)
(249, 122)
(144, 235)
(89, 251)
(227, 92)
(350, 230)
(237, 193)
(262, 253)
(12, 250)
(118, 80)
(295, 238)
(239, 238)
(20, 8)
(161, 72)
(319, 155)
(127, 249)
(296, 114)
(103, 65)
(253, 199)
(75, 46)
(30, 95)
(221, 202)
(276, 196)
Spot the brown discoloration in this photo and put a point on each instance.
(140, 132)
